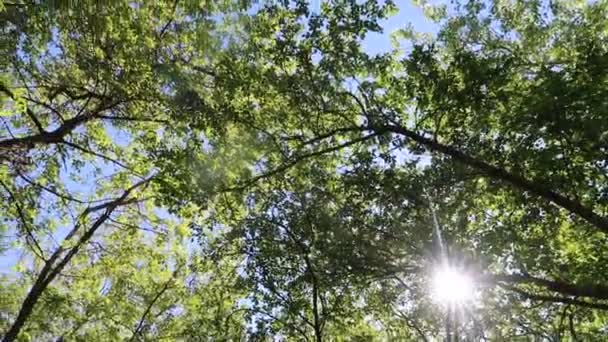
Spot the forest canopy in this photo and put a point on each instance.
(227, 170)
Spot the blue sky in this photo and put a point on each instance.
(408, 14)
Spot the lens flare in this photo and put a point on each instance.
(451, 286)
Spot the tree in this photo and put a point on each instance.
(87, 98)
(511, 117)
(312, 249)
(320, 185)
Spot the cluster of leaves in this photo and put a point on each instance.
(88, 104)
(226, 171)
(500, 120)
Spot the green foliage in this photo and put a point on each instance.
(224, 170)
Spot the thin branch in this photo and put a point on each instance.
(572, 327)
(98, 155)
(47, 106)
(298, 159)
(131, 118)
(124, 225)
(331, 134)
(560, 326)
(52, 191)
(38, 251)
(164, 29)
(140, 325)
(359, 103)
(412, 324)
(28, 111)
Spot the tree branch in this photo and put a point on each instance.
(28, 111)
(300, 158)
(37, 250)
(57, 262)
(555, 299)
(96, 154)
(518, 181)
(57, 136)
(164, 289)
(594, 291)
(45, 137)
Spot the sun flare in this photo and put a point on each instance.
(451, 286)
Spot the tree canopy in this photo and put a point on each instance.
(234, 170)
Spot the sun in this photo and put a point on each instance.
(451, 286)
